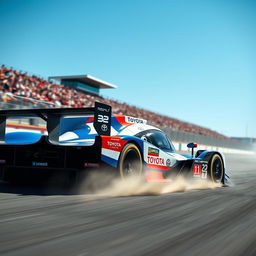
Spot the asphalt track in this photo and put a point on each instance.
(202, 222)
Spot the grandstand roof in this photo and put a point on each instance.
(86, 79)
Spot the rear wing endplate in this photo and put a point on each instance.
(102, 119)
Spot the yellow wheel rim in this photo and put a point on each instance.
(211, 170)
(123, 155)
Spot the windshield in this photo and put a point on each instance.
(157, 138)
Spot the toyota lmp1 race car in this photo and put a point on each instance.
(82, 140)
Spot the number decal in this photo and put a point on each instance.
(204, 171)
(103, 119)
(205, 167)
(197, 169)
(200, 170)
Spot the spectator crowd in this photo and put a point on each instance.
(17, 83)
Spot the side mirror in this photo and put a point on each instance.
(192, 146)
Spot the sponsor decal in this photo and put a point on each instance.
(103, 109)
(114, 143)
(91, 165)
(168, 162)
(153, 151)
(134, 120)
(42, 164)
(155, 160)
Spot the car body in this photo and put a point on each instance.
(83, 140)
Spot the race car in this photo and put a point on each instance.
(81, 140)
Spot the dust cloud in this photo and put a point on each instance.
(108, 186)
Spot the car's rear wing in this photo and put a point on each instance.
(102, 118)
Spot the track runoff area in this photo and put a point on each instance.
(220, 221)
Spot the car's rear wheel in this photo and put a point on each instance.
(130, 161)
(216, 169)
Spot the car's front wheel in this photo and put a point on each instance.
(130, 161)
(216, 169)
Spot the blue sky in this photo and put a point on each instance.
(192, 60)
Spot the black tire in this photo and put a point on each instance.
(130, 161)
(216, 169)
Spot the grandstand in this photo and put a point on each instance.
(85, 83)
(13, 82)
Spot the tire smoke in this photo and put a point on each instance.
(107, 186)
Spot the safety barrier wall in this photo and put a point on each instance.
(182, 138)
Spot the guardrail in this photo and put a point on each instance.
(186, 137)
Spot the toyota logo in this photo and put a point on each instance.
(104, 127)
(168, 162)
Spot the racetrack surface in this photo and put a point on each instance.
(219, 221)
